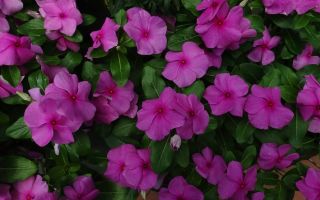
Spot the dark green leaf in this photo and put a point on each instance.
(124, 127)
(71, 60)
(256, 22)
(77, 37)
(33, 27)
(152, 84)
(38, 80)
(121, 17)
(183, 155)
(244, 132)
(272, 78)
(16, 168)
(18, 130)
(120, 68)
(161, 155)
(197, 88)
(289, 93)
(98, 53)
(301, 21)
(248, 156)
(11, 74)
(82, 145)
(88, 19)
(176, 40)
(288, 77)
(191, 5)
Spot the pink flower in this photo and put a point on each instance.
(60, 15)
(308, 101)
(105, 37)
(73, 94)
(310, 185)
(211, 8)
(139, 174)
(62, 43)
(5, 192)
(214, 57)
(82, 189)
(306, 58)
(227, 29)
(227, 95)
(32, 188)
(258, 196)
(48, 121)
(262, 48)
(274, 156)
(302, 6)
(15, 50)
(112, 100)
(196, 117)
(209, 166)
(149, 32)
(265, 109)
(186, 66)
(9, 7)
(284, 7)
(50, 71)
(236, 185)
(179, 189)
(4, 24)
(158, 117)
(131, 167)
(7, 90)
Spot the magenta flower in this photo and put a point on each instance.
(258, 196)
(158, 117)
(139, 174)
(308, 101)
(149, 32)
(265, 109)
(306, 58)
(236, 185)
(227, 95)
(209, 166)
(274, 156)
(5, 192)
(310, 185)
(225, 29)
(73, 94)
(302, 6)
(112, 100)
(60, 15)
(62, 43)
(32, 188)
(48, 121)
(179, 189)
(15, 50)
(211, 8)
(7, 90)
(185, 67)
(262, 48)
(105, 37)
(196, 117)
(9, 7)
(4, 24)
(284, 7)
(118, 163)
(214, 57)
(50, 71)
(82, 189)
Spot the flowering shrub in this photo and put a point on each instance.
(189, 99)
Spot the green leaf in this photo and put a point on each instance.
(120, 68)
(33, 27)
(248, 156)
(152, 84)
(90, 72)
(77, 37)
(51, 60)
(121, 17)
(252, 73)
(88, 19)
(288, 76)
(4, 118)
(301, 21)
(272, 78)
(244, 132)
(157, 63)
(176, 40)
(161, 155)
(18, 130)
(268, 178)
(289, 93)
(82, 145)
(38, 80)
(311, 35)
(191, 5)
(183, 155)
(256, 22)
(292, 42)
(290, 180)
(124, 127)
(98, 53)
(11, 74)
(16, 168)
(197, 88)
(71, 60)
(296, 130)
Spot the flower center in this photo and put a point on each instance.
(183, 62)
(270, 104)
(145, 166)
(122, 166)
(227, 95)
(214, 5)
(53, 122)
(110, 91)
(62, 15)
(318, 107)
(242, 185)
(192, 113)
(17, 44)
(29, 197)
(145, 34)
(73, 97)
(264, 46)
(180, 198)
(160, 110)
(99, 36)
(219, 22)
(208, 165)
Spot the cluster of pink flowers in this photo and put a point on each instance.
(8, 7)
(286, 7)
(309, 186)
(35, 188)
(112, 100)
(61, 111)
(308, 101)
(158, 117)
(263, 105)
(221, 27)
(61, 17)
(131, 167)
